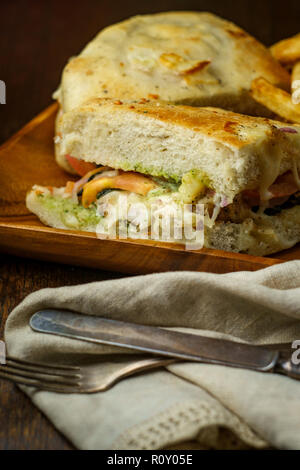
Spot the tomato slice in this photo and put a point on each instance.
(128, 181)
(284, 186)
(80, 166)
(134, 182)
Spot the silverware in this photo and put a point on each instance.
(163, 342)
(71, 379)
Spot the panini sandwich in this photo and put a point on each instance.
(190, 58)
(243, 169)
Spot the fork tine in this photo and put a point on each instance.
(41, 364)
(42, 369)
(39, 384)
(38, 376)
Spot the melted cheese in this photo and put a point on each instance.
(270, 166)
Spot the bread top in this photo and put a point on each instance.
(235, 151)
(226, 127)
(180, 57)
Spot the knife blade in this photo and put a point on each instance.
(154, 340)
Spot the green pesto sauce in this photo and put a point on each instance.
(72, 215)
(153, 171)
(202, 176)
(160, 173)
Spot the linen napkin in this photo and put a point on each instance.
(208, 406)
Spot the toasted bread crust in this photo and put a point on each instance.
(236, 152)
(180, 57)
(227, 127)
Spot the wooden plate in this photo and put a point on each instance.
(27, 159)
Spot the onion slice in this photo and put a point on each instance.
(80, 183)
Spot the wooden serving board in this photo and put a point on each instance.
(27, 159)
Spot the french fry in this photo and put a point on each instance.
(296, 84)
(287, 51)
(275, 99)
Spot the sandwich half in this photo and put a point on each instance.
(244, 170)
(190, 58)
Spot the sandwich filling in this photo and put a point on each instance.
(87, 204)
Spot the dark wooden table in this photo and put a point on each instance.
(37, 38)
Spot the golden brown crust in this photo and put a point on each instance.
(181, 57)
(287, 51)
(230, 128)
(278, 101)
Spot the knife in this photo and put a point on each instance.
(162, 342)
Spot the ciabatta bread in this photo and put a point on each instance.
(234, 152)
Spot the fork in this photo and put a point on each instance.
(75, 379)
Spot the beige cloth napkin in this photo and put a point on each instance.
(212, 406)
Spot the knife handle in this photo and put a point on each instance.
(286, 367)
(154, 340)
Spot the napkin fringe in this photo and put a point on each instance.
(190, 421)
